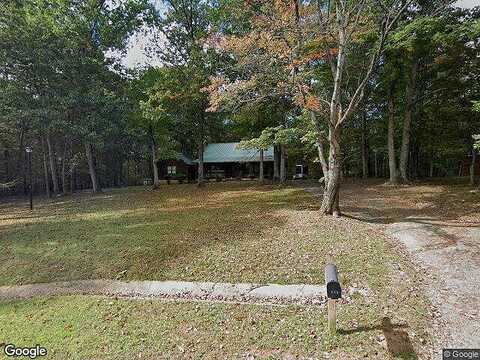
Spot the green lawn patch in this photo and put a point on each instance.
(101, 328)
(178, 232)
(224, 232)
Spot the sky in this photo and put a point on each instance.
(468, 3)
(136, 54)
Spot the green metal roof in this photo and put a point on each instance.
(228, 152)
(185, 159)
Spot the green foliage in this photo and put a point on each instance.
(269, 136)
(476, 106)
(55, 74)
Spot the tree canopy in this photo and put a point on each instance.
(357, 88)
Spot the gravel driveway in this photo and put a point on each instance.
(439, 226)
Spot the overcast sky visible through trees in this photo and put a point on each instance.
(136, 55)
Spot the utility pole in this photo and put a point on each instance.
(29, 150)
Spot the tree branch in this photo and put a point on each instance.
(387, 25)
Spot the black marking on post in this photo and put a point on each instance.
(334, 291)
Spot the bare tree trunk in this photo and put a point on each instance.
(53, 165)
(330, 202)
(283, 165)
(472, 167)
(392, 159)
(45, 169)
(323, 162)
(385, 166)
(153, 149)
(64, 164)
(200, 164)
(320, 147)
(407, 122)
(156, 179)
(364, 147)
(338, 115)
(375, 160)
(91, 167)
(276, 175)
(22, 160)
(261, 176)
(431, 168)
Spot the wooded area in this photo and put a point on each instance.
(386, 89)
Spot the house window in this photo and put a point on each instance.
(171, 170)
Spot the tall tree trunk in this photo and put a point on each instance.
(392, 158)
(364, 146)
(153, 144)
(431, 168)
(330, 202)
(323, 162)
(53, 164)
(64, 165)
(414, 161)
(283, 165)
(472, 167)
(22, 161)
(375, 161)
(338, 115)
(407, 122)
(91, 167)
(320, 147)
(156, 179)
(261, 176)
(276, 161)
(200, 164)
(45, 169)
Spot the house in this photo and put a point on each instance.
(180, 167)
(226, 160)
(220, 161)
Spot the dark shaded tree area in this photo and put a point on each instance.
(361, 88)
(62, 96)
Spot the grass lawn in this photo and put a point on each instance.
(232, 232)
(218, 233)
(100, 328)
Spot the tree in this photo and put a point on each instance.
(346, 22)
(99, 28)
(190, 63)
(54, 54)
(157, 116)
(305, 50)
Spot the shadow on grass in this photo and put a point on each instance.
(397, 340)
(373, 202)
(145, 234)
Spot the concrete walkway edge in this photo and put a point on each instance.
(241, 292)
